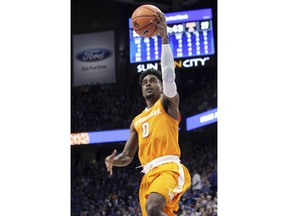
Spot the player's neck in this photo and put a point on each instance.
(150, 102)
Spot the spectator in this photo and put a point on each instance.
(213, 180)
(196, 183)
(214, 211)
(205, 185)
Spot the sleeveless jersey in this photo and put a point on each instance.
(157, 133)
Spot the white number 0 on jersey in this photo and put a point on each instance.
(145, 128)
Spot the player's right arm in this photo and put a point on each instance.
(170, 94)
(127, 155)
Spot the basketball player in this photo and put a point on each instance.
(155, 133)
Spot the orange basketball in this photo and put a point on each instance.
(141, 20)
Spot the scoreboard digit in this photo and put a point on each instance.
(190, 35)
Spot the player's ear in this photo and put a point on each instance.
(142, 92)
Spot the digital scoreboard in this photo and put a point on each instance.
(190, 36)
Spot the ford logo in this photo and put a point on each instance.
(92, 55)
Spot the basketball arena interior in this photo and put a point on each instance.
(106, 96)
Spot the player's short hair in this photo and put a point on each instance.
(157, 73)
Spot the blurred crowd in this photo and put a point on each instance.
(108, 106)
(95, 193)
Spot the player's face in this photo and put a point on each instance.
(151, 87)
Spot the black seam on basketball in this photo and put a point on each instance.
(147, 25)
(151, 33)
(149, 9)
(142, 16)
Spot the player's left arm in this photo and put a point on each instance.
(170, 98)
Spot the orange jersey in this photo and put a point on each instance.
(157, 133)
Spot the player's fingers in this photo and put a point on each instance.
(108, 168)
(110, 158)
(109, 161)
(108, 165)
(114, 153)
(160, 16)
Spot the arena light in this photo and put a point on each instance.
(201, 119)
(99, 137)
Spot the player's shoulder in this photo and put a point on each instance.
(138, 116)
